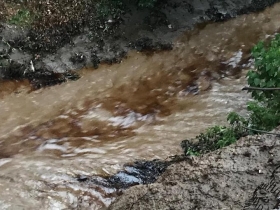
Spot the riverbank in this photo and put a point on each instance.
(245, 175)
(242, 176)
(60, 137)
(67, 42)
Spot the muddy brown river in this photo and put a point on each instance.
(139, 109)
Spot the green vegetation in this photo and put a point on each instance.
(106, 8)
(62, 12)
(22, 18)
(264, 111)
(147, 3)
(116, 8)
(214, 138)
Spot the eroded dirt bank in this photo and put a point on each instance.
(61, 42)
(245, 175)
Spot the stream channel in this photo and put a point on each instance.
(141, 108)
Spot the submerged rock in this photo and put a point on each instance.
(139, 172)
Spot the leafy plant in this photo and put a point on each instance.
(23, 17)
(147, 3)
(267, 71)
(106, 8)
(265, 111)
(214, 138)
(262, 117)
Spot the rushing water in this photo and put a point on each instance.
(138, 109)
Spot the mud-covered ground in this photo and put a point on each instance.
(245, 175)
(61, 37)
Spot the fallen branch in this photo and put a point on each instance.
(261, 131)
(258, 88)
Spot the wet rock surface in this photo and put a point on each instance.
(136, 173)
(245, 175)
(19, 65)
(139, 172)
(90, 39)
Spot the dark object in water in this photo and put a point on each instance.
(39, 78)
(139, 172)
(82, 178)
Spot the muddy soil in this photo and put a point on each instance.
(245, 175)
(89, 40)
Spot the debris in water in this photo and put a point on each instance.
(139, 172)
